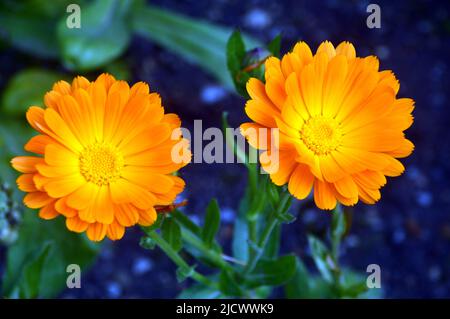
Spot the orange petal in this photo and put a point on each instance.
(37, 200)
(61, 131)
(347, 187)
(126, 214)
(57, 155)
(323, 195)
(115, 231)
(25, 183)
(96, 231)
(156, 183)
(48, 211)
(147, 217)
(82, 197)
(347, 49)
(65, 185)
(301, 182)
(62, 208)
(38, 143)
(26, 164)
(77, 225)
(123, 192)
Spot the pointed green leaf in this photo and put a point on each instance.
(235, 58)
(197, 41)
(171, 232)
(212, 223)
(272, 272)
(275, 46)
(32, 274)
(298, 286)
(240, 238)
(322, 257)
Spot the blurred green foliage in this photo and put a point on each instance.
(10, 215)
(37, 262)
(104, 35)
(17, 97)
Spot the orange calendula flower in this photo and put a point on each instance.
(340, 123)
(104, 156)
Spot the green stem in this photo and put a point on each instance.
(176, 258)
(210, 254)
(273, 221)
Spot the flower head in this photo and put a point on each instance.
(340, 125)
(104, 156)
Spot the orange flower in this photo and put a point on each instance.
(340, 123)
(104, 156)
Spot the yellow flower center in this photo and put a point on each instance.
(101, 163)
(321, 135)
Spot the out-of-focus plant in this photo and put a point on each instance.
(10, 215)
(40, 30)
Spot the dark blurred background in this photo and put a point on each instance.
(407, 233)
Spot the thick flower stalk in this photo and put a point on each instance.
(340, 124)
(104, 156)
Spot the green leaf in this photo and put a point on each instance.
(104, 35)
(274, 46)
(27, 88)
(235, 57)
(272, 272)
(30, 26)
(240, 239)
(235, 52)
(32, 274)
(322, 257)
(171, 232)
(65, 248)
(273, 194)
(354, 285)
(228, 284)
(197, 41)
(212, 223)
(298, 286)
(199, 292)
